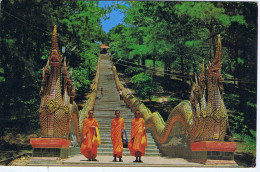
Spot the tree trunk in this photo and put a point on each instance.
(153, 66)
(143, 62)
(182, 66)
(166, 73)
(89, 66)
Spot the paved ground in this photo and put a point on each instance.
(128, 162)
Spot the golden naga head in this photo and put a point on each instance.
(215, 66)
(55, 56)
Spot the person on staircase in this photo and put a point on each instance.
(138, 140)
(121, 94)
(102, 91)
(90, 137)
(117, 131)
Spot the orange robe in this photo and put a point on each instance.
(117, 127)
(90, 143)
(139, 135)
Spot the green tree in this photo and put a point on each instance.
(26, 29)
(144, 85)
(182, 34)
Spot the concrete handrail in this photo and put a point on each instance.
(153, 120)
(91, 98)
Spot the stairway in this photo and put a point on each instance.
(104, 112)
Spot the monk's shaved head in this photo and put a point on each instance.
(117, 113)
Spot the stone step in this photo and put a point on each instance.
(108, 122)
(104, 112)
(112, 112)
(109, 142)
(107, 135)
(109, 139)
(107, 118)
(128, 132)
(101, 100)
(108, 128)
(102, 117)
(126, 150)
(107, 99)
(127, 117)
(112, 116)
(149, 146)
(109, 108)
(128, 154)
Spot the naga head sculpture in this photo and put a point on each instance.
(54, 111)
(214, 68)
(207, 102)
(55, 56)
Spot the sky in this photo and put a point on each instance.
(115, 17)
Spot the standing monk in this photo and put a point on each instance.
(90, 137)
(138, 140)
(117, 128)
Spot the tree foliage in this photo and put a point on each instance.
(26, 29)
(144, 85)
(182, 34)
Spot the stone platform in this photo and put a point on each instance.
(106, 161)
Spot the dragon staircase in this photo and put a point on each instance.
(58, 112)
(195, 129)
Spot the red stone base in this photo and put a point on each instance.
(215, 162)
(222, 162)
(49, 143)
(213, 152)
(214, 146)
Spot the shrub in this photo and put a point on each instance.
(131, 71)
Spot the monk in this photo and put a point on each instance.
(90, 137)
(117, 132)
(138, 140)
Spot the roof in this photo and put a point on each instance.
(104, 46)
